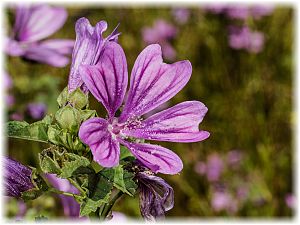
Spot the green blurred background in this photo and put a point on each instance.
(249, 97)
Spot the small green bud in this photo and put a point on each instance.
(63, 97)
(68, 118)
(78, 99)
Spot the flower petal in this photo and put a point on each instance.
(38, 22)
(62, 46)
(155, 157)
(176, 124)
(46, 55)
(107, 80)
(92, 130)
(105, 150)
(153, 82)
(88, 47)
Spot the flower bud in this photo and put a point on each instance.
(68, 118)
(78, 99)
(17, 177)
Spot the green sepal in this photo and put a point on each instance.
(63, 97)
(78, 99)
(31, 194)
(68, 118)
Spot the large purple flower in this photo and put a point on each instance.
(156, 196)
(152, 83)
(88, 47)
(17, 177)
(33, 24)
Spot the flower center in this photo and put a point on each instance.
(115, 128)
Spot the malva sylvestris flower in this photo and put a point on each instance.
(88, 47)
(33, 24)
(152, 83)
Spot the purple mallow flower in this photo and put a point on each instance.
(152, 83)
(156, 196)
(36, 110)
(88, 47)
(181, 15)
(33, 24)
(241, 11)
(8, 83)
(17, 177)
(290, 201)
(161, 32)
(70, 206)
(244, 38)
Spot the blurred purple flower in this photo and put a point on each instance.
(161, 32)
(17, 177)
(117, 217)
(36, 110)
(17, 116)
(88, 48)
(215, 8)
(200, 168)
(290, 201)
(34, 23)
(244, 38)
(242, 192)
(70, 206)
(152, 84)
(234, 158)
(9, 99)
(241, 11)
(181, 15)
(258, 11)
(223, 201)
(238, 12)
(214, 167)
(156, 196)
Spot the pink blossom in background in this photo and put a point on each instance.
(36, 110)
(244, 38)
(8, 83)
(223, 201)
(181, 15)
(34, 23)
(290, 201)
(200, 168)
(17, 116)
(162, 33)
(214, 167)
(234, 158)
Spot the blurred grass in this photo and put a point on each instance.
(249, 97)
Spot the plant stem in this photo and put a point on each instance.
(53, 190)
(109, 206)
(77, 186)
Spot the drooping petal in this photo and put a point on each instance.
(88, 47)
(46, 55)
(153, 82)
(105, 150)
(156, 196)
(107, 80)
(38, 22)
(176, 124)
(13, 48)
(155, 157)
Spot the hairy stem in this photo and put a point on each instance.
(109, 206)
(53, 190)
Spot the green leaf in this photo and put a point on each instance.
(125, 153)
(74, 162)
(122, 179)
(31, 194)
(100, 194)
(38, 180)
(48, 162)
(35, 132)
(63, 97)
(87, 114)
